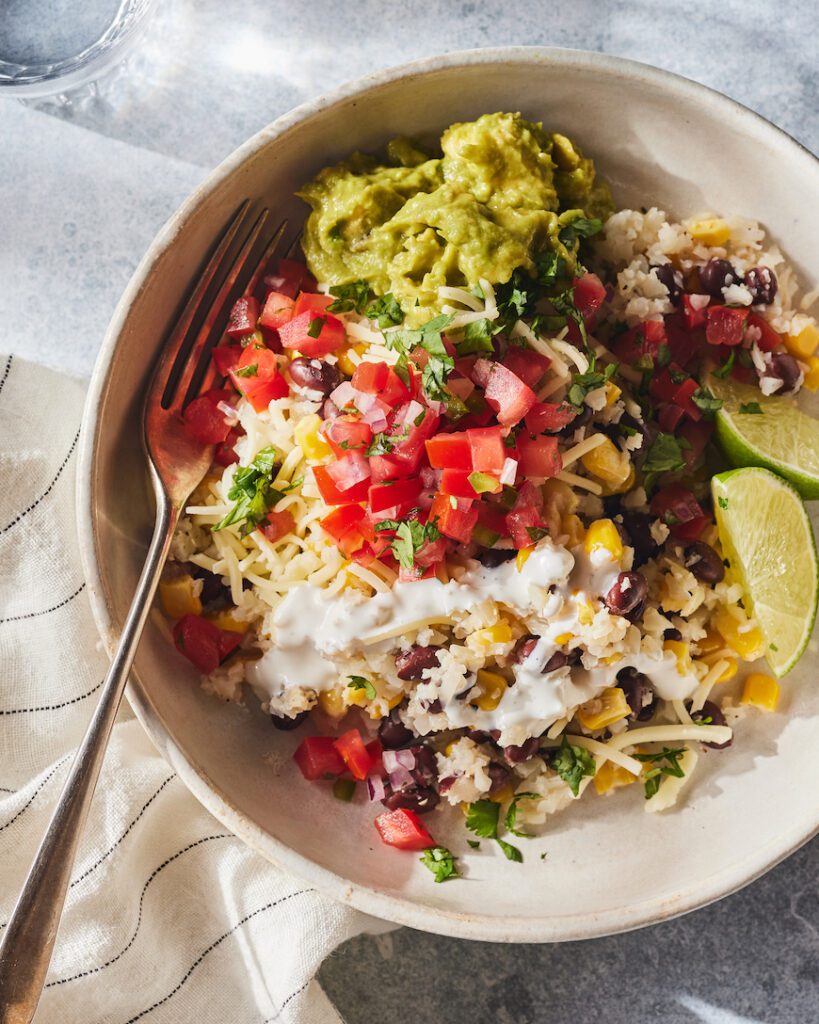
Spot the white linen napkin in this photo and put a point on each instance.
(169, 917)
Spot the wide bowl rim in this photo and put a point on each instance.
(368, 900)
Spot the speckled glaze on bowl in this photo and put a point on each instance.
(659, 139)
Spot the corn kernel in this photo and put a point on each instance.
(449, 748)
(357, 697)
(178, 597)
(307, 435)
(522, 557)
(712, 231)
(345, 364)
(602, 534)
(573, 527)
(393, 702)
(563, 638)
(622, 488)
(332, 703)
(607, 463)
(680, 650)
(611, 776)
(503, 796)
(812, 373)
(711, 642)
(603, 711)
(803, 345)
(492, 687)
(500, 633)
(226, 620)
(612, 393)
(748, 644)
(762, 691)
(585, 612)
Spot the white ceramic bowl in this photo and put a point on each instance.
(660, 140)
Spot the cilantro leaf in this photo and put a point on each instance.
(751, 408)
(316, 324)
(348, 297)
(473, 844)
(580, 227)
(726, 367)
(477, 338)
(385, 311)
(440, 862)
(663, 355)
(723, 502)
(705, 400)
(510, 852)
(512, 814)
(410, 536)
(360, 683)
(482, 818)
(253, 492)
(664, 455)
(439, 365)
(653, 776)
(572, 764)
(248, 371)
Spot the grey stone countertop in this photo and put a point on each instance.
(85, 185)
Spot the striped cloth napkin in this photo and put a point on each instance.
(169, 917)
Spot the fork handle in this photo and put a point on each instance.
(26, 947)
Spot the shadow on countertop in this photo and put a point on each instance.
(752, 958)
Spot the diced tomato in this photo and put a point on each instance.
(527, 364)
(589, 294)
(261, 396)
(725, 325)
(351, 469)
(488, 451)
(370, 377)
(450, 451)
(376, 752)
(204, 421)
(318, 758)
(298, 334)
(669, 416)
(549, 416)
(492, 517)
(456, 482)
(693, 529)
(769, 339)
(697, 435)
(694, 315)
(354, 753)
(403, 829)
(520, 521)
(504, 391)
(243, 317)
(642, 340)
(347, 433)
(539, 456)
(278, 310)
(675, 503)
(278, 524)
(225, 454)
(430, 553)
(411, 450)
(225, 357)
(389, 495)
(663, 386)
(682, 398)
(683, 343)
(454, 517)
(264, 383)
(203, 643)
(342, 519)
(385, 467)
(289, 277)
(332, 494)
(312, 302)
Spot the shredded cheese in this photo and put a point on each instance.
(672, 734)
(581, 448)
(580, 481)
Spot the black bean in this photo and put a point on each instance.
(628, 596)
(672, 279)
(712, 715)
(213, 590)
(638, 527)
(315, 374)
(425, 771)
(287, 724)
(785, 368)
(524, 752)
(762, 284)
(580, 420)
(524, 647)
(393, 733)
(557, 660)
(639, 694)
(701, 559)
(411, 663)
(500, 775)
(417, 798)
(329, 410)
(482, 736)
(716, 275)
(493, 557)
(672, 634)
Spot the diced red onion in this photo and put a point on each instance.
(375, 787)
(509, 472)
(405, 758)
(344, 394)
(230, 413)
(376, 419)
(400, 778)
(412, 412)
(430, 478)
(436, 407)
(363, 401)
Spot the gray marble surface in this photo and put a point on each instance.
(84, 186)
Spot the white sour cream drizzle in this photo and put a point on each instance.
(310, 630)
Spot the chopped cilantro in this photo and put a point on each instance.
(385, 311)
(678, 376)
(483, 483)
(751, 408)
(512, 814)
(439, 365)
(253, 492)
(663, 355)
(248, 371)
(344, 789)
(664, 455)
(473, 844)
(360, 683)
(572, 764)
(477, 338)
(440, 862)
(482, 819)
(583, 383)
(316, 324)
(383, 444)
(410, 536)
(653, 776)
(705, 400)
(773, 647)
(537, 532)
(348, 297)
(510, 852)
(580, 227)
(722, 502)
(726, 367)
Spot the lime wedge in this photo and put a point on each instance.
(781, 436)
(767, 537)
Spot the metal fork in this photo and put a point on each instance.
(177, 465)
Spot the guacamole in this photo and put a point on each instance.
(497, 197)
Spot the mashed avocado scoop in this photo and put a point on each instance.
(489, 205)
